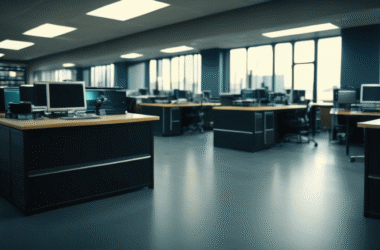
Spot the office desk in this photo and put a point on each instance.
(171, 115)
(2, 115)
(349, 115)
(51, 163)
(372, 168)
(250, 128)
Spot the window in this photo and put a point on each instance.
(103, 76)
(260, 67)
(152, 74)
(329, 64)
(238, 69)
(283, 67)
(304, 67)
(58, 75)
(181, 72)
(175, 72)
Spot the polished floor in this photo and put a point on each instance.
(292, 196)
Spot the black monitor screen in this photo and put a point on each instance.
(371, 94)
(181, 94)
(39, 92)
(26, 93)
(247, 94)
(66, 95)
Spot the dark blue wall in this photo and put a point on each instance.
(121, 75)
(211, 71)
(360, 56)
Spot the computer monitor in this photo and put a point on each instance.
(66, 96)
(39, 95)
(247, 94)
(115, 102)
(346, 96)
(261, 94)
(143, 91)
(370, 93)
(26, 93)
(182, 94)
(299, 96)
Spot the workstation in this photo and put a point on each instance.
(194, 126)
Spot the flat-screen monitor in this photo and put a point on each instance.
(66, 96)
(26, 93)
(115, 102)
(346, 96)
(182, 94)
(39, 95)
(299, 96)
(247, 94)
(261, 94)
(370, 93)
(143, 91)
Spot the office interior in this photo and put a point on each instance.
(211, 193)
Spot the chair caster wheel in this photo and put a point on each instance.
(316, 145)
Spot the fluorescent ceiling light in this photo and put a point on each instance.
(127, 9)
(176, 49)
(14, 45)
(68, 65)
(49, 30)
(301, 30)
(1, 54)
(131, 55)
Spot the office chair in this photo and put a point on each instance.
(194, 119)
(300, 125)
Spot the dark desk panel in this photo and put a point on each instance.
(48, 168)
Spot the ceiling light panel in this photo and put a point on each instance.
(131, 55)
(127, 9)
(177, 49)
(1, 54)
(68, 65)
(301, 30)
(14, 45)
(49, 30)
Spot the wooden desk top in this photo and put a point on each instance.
(354, 113)
(323, 104)
(261, 108)
(370, 124)
(2, 115)
(177, 105)
(58, 123)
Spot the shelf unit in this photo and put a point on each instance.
(12, 74)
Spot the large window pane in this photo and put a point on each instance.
(304, 51)
(238, 67)
(329, 63)
(189, 72)
(165, 74)
(152, 74)
(304, 78)
(181, 72)
(174, 72)
(260, 67)
(283, 67)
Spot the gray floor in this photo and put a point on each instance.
(292, 196)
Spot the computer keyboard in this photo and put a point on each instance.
(80, 117)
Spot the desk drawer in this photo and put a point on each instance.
(76, 184)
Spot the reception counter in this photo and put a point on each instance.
(51, 163)
(250, 128)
